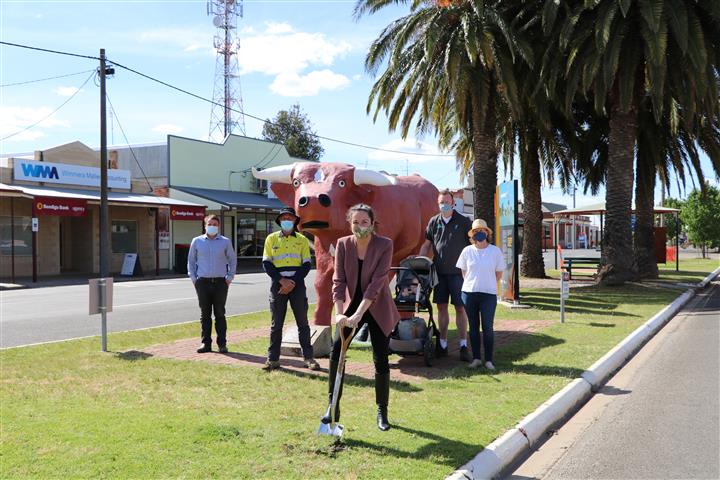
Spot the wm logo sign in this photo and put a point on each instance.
(40, 171)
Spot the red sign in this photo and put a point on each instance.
(59, 207)
(187, 213)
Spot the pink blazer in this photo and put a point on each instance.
(375, 283)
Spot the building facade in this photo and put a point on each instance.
(50, 215)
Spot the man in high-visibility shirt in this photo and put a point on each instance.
(286, 259)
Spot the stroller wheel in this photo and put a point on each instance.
(429, 351)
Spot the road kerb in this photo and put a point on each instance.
(501, 453)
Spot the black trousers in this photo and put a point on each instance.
(278, 309)
(212, 294)
(380, 343)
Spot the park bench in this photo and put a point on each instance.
(582, 266)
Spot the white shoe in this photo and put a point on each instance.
(489, 365)
(475, 363)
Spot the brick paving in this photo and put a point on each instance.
(409, 369)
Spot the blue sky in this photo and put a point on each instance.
(309, 52)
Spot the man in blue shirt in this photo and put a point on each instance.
(211, 267)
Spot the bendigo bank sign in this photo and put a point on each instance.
(187, 213)
(59, 207)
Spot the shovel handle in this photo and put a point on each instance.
(345, 340)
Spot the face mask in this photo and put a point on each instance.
(362, 232)
(445, 207)
(480, 236)
(287, 225)
(211, 230)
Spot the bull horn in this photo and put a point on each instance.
(280, 174)
(371, 177)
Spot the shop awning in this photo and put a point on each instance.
(233, 199)
(93, 196)
(599, 209)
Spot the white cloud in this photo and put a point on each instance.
(189, 40)
(274, 28)
(167, 129)
(430, 152)
(66, 91)
(357, 77)
(15, 119)
(287, 54)
(291, 84)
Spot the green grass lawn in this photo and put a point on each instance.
(67, 410)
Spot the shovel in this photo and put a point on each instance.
(332, 428)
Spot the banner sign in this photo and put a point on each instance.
(506, 238)
(32, 171)
(187, 213)
(59, 207)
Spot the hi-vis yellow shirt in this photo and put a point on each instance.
(286, 253)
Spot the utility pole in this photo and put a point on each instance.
(574, 227)
(104, 224)
(662, 201)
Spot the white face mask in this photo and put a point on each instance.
(211, 230)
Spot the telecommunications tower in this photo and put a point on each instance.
(225, 117)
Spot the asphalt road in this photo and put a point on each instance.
(58, 313)
(657, 418)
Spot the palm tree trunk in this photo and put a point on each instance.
(645, 260)
(485, 164)
(617, 259)
(532, 263)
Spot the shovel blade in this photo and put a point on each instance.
(333, 429)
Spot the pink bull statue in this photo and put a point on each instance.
(322, 193)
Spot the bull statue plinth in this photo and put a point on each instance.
(322, 193)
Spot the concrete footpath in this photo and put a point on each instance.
(494, 459)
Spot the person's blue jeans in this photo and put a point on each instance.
(480, 308)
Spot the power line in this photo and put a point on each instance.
(54, 111)
(58, 52)
(344, 142)
(199, 97)
(112, 109)
(44, 79)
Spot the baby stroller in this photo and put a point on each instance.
(414, 283)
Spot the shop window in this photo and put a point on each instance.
(246, 238)
(124, 236)
(22, 238)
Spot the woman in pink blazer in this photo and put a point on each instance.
(361, 293)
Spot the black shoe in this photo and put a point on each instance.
(465, 354)
(223, 349)
(205, 348)
(382, 420)
(440, 351)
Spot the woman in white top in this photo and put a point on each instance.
(482, 264)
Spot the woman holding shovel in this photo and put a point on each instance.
(362, 296)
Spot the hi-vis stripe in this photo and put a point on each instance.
(284, 256)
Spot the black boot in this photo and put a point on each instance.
(382, 395)
(327, 418)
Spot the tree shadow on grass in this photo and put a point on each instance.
(587, 304)
(443, 450)
(132, 355)
(511, 347)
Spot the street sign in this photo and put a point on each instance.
(101, 295)
(34, 227)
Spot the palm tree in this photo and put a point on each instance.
(448, 63)
(671, 146)
(619, 52)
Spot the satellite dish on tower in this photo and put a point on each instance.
(218, 20)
